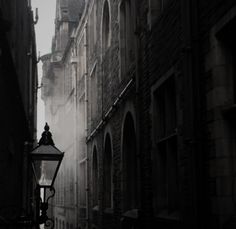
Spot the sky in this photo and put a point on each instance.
(44, 32)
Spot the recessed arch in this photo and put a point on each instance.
(95, 183)
(107, 172)
(129, 157)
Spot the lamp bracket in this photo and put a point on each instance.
(52, 189)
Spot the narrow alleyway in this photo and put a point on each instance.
(117, 114)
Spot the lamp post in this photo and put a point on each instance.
(45, 160)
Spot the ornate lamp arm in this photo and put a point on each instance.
(52, 189)
(43, 218)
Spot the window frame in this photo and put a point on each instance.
(164, 210)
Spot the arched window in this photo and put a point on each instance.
(95, 177)
(92, 23)
(129, 164)
(108, 172)
(106, 26)
(126, 36)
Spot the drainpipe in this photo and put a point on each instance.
(189, 215)
(86, 124)
(137, 96)
(199, 170)
(25, 177)
(192, 131)
(74, 66)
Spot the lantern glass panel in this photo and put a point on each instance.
(45, 171)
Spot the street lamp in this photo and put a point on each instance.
(46, 160)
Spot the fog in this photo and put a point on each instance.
(44, 32)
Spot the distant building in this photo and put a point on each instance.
(18, 89)
(142, 100)
(59, 95)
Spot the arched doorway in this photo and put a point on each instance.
(129, 164)
(95, 177)
(108, 172)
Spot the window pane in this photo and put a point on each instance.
(82, 183)
(173, 189)
(162, 177)
(160, 114)
(170, 101)
(165, 160)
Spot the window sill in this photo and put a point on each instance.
(95, 208)
(108, 211)
(167, 222)
(167, 216)
(133, 213)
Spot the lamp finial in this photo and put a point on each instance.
(46, 127)
(46, 138)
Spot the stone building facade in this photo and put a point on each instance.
(18, 89)
(141, 98)
(199, 179)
